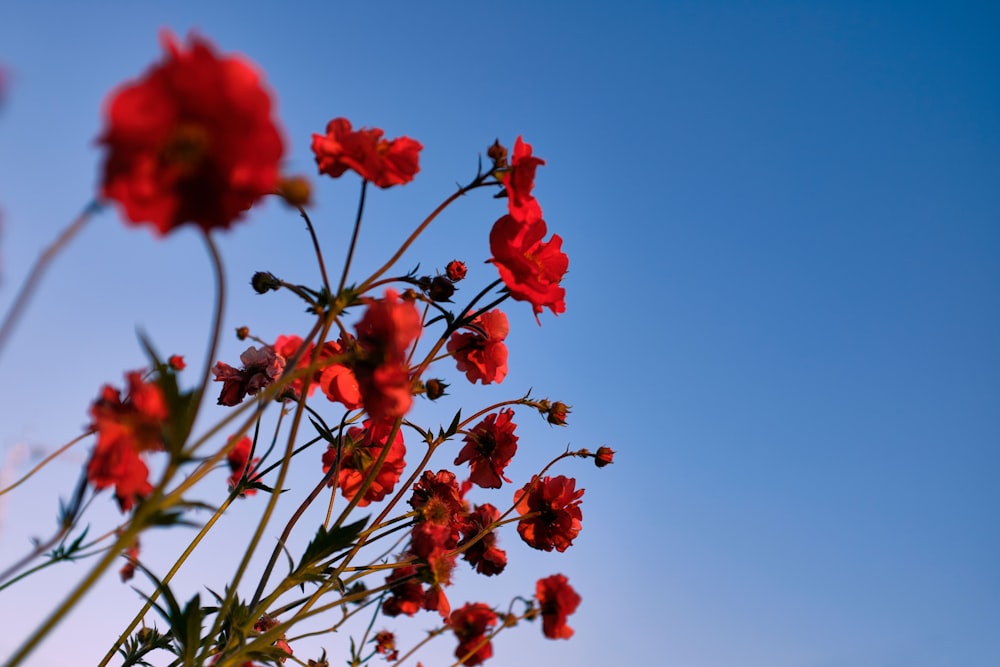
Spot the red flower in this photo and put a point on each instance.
(176, 362)
(518, 180)
(531, 269)
(125, 429)
(261, 367)
(131, 555)
(557, 600)
(406, 593)
(385, 644)
(482, 354)
(265, 623)
(439, 501)
(337, 380)
(385, 333)
(192, 141)
(287, 347)
(489, 447)
(239, 462)
(550, 510)
(470, 624)
(361, 449)
(385, 163)
(484, 555)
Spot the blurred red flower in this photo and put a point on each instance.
(193, 141)
(484, 555)
(385, 333)
(481, 352)
(550, 511)
(488, 449)
(530, 268)
(125, 429)
(239, 462)
(470, 624)
(557, 600)
(381, 161)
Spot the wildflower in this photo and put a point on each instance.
(605, 456)
(125, 429)
(261, 367)
(488, 449)
(550, 512)
(381, 161)
(483, 554)
(470, 624)
(193, 141)
(481, 352)
(530, 268)
(455, 270)
(557, 600)
(385, 333)
(360, 449)
(385, 644)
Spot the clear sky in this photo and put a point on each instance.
(783, 304)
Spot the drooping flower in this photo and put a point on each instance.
(550, 511)
(519, 180)
(239, 462)
(481, 352)
(385, 333)
(483, 554)
(406, 593)
(530, 268)
(193, 141)
(336, 379)
(557, 600)
(261, 367)
(470, 624)
(381, 161)
(488, 449)
(125, 429)
(360, 451)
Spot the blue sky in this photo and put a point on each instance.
(783, 304)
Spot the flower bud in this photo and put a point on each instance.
(605, 456)
(557, 413)
(455, 270)
(435, 388)
(295, 190)
(441, 289)
(498, 154)
(263, 282)
(176, 362)
(242, 333)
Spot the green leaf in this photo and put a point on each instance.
(326, 543)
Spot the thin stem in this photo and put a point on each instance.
(41, 264)
(319, 253)
(45, 461)
(354, 237)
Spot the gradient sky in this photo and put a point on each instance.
(783, 304)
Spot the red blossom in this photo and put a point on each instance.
(557, 600)
(287, 347)
(406, 593)
(337, 380)
(519, 180)
(381, 161)
(483, 554)
(481, 352)
(361, 449)
(125, 429)
(488, 449)
(438, 500)
(530, 268)
(131, 555)
(176, 362)
(261, 367)
(385, 333)
(265, 623)
(470, 624)
(193, 141)
(550, 511)
(239, 462)
(385, 644)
